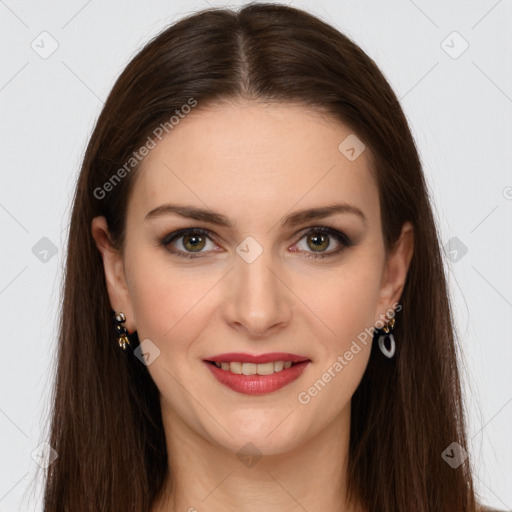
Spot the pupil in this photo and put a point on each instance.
(195, 244)
(317, 241)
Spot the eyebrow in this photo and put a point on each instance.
(299, 217)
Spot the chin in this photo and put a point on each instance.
(267, 437)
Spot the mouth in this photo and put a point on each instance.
(256, 378)
(240, 368)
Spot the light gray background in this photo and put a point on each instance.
(460, 111)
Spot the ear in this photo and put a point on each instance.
(395, 272)
(114, 272)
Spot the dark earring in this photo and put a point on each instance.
(387, 334)
(121, 330)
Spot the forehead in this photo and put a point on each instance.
(243, 157)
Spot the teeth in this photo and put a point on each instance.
(235, 368)
(254, 369)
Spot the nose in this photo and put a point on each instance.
(258, 299)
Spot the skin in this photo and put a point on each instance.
(255, 164)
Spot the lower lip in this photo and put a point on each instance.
(257, 384)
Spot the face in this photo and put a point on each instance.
(252, 274)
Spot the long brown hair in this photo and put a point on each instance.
(106, 423)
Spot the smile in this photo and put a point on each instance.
(256, 379)
(252, 368)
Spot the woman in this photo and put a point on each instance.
(255, 310)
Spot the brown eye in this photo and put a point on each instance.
(318, 241)
(188, 243)
(315, 242)
(193, 242)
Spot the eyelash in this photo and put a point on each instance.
(342, 238)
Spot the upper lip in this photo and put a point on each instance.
(257, 359)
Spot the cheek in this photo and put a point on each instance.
(169, 303)
(347, 307)
(346, 302)
(352, 309)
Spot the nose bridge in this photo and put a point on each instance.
(257, 295)
(256, 277)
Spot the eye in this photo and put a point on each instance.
(191, 240)
(318, 240)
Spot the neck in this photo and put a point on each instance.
(208, 477)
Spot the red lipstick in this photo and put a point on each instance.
(257, 359)
(257, 384)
